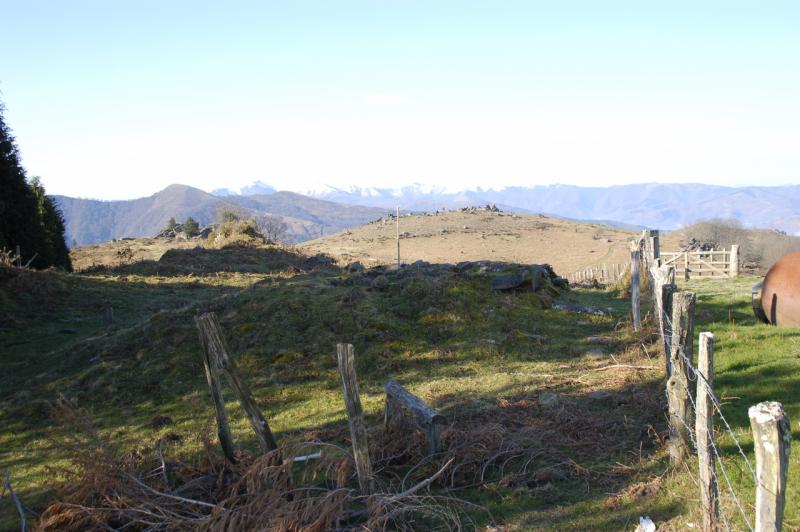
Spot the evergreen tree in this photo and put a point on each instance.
(27, 215)
(191, 227)
(52, 221)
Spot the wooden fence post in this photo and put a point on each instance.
(772, 437)
(355, 414)
(19, 257)
(219, 355)
(397, 219)
(655, 246)
(685, 265)
(663, 279)
(212, 376)
(704, 428)
(636, 312)
(678, 384)
(733, 269)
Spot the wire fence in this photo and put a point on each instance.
(722, 473)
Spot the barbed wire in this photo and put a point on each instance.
(699, 379)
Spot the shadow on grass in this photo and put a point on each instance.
(418, 325)
(231, 259)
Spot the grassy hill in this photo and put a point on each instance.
(478, 234)
(556, 419)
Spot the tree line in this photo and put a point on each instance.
(29, 218)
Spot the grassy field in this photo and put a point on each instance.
(581, 396)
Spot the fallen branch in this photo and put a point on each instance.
(629, 366)
(426, 482)
(167, 495)
(31, 260)
(23, 523)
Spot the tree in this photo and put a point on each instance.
(28, 217)
(273, 228)
(191, 227)
(171, 224)
(55, 249)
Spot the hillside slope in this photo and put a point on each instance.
(94, 221)
(478, 234)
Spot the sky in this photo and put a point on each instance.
(117, 100)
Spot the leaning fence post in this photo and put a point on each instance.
(772, 438)
(212, 376)
(355, 414)
(219, 354)
(704, 427)
(635, 311)
(678, 384)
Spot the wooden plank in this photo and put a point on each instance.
(678, 385)
(426, 417)
(772, 436)
(220, 355)
(704, 429)
(355, 415)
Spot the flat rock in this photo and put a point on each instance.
(549, 400)
(511, 281)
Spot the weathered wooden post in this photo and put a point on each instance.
(678, 384)
(355, 415)
(655, 246)
(663, 279)
(19, 257)
(219, 354)
(704, 429)
(214, 385)
(635, 311)
(397, 226)
(428, 419)
(733, 269)
(772, 438)
(685, 265)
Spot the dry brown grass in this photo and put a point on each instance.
(464, 236)
(111, 254)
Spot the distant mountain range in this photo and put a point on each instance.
(328, 209)
(93, 221)
(655, 205)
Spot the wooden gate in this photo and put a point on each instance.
(722, 264)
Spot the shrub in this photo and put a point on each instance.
(759, 249)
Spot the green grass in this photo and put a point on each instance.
(468, 351)
(754, 362)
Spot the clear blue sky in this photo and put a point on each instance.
(119, 99)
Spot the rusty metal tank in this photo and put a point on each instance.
(776, 300)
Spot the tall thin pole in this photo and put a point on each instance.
(397, 220)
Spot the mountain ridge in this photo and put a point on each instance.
(89, 221)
